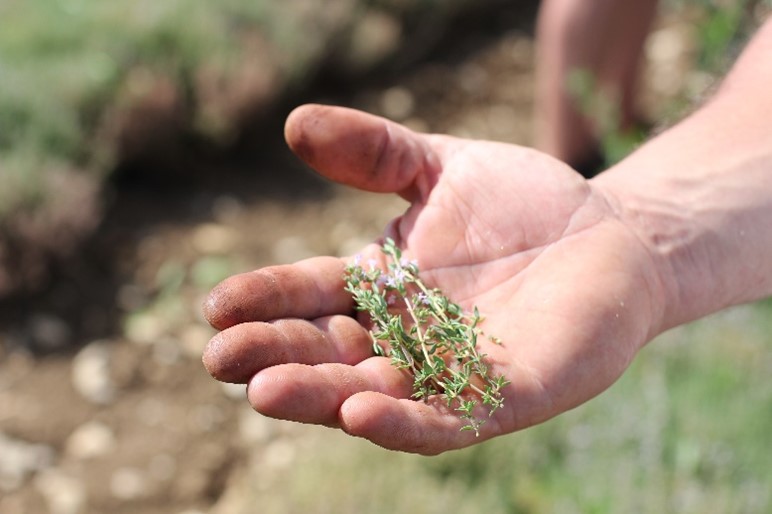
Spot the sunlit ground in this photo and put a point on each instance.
(687, 429)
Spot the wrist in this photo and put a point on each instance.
(699, 198)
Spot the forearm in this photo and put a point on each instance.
(699, 196)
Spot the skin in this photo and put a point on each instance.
(574, 276)
(602, 37)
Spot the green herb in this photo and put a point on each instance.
(425, 333)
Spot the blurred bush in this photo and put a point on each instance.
(86, 85)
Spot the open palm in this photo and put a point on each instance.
(565, 285)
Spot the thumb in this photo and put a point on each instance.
(362, 150)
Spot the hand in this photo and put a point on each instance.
(560, 279)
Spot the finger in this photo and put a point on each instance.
(362, 150)
(307, 289)
(411, 426)
(314, 394)
(238, 353)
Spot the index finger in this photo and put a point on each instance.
(308, 289)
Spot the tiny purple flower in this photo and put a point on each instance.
(400, 275)
(413, 263)
(421, 297)
(386, 281)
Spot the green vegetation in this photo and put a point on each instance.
(85, 85)
(426, 334)
(721, 28)
(687, 429)
(64, 66)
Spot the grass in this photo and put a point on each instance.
(64, 66)
(86, 85)
(84, 48)
(687, 429)
(721, 29)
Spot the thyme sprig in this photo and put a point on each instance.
(425, 333)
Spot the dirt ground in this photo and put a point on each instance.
(104, 403)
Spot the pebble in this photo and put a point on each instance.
(665, 49)
(18, 459)
(665, 45)
(90, 440)
(63, 493)
(91, 373)
(128, 483)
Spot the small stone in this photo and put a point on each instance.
(63, 493)
(665, 45)
(128, 484)
(18, 459)
(90, 440)
(91, 373)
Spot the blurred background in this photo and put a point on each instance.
(142, 161)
